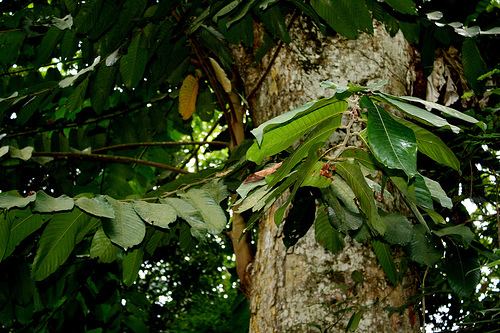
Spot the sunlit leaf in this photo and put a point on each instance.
(209, 209)
(221, 75)
(22, 154)
(126, 229)
(160, 215)
(46, 204)
(97, 206)
(12, 199)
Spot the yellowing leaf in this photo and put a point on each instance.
(221, 75)
(187, 96)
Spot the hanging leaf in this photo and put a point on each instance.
(16, 225)
(422, 250)
(274, 22)
(46, 204)
(187, 96)
(326, 235)
(344, 193)
(133, 64)
(160, 215)
(209, 209)
(384, 257)
(221, 75)
(11, 42)
(392, 143)
(353, 323)
(205, 105)
(461, 268)
(403, 6)
(438, 193)
(277, 139)
(339, 15)
(4, 150)
(343, 219)
(126, 229)
(48, 45)
(190, 214)
(97, 206)
(461, 230)
(102, 248)
(102, 87)
(300, 217)
(432, 146)
(12, 199)
(251, 200)
(398, 230)
(474, 65)
(57, 242)
(353, 176)
(418, 113)
(130, 265)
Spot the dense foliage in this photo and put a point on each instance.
(116, 118)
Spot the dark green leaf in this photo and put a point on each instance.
(339, 15)
(384, 257)
(133, 64)
(398, 229)
(474, 65)
(422, 250)
(403, 6)
(102, 87)
(102, 248)
(274, 22)
(131, 264)
(57, 242)
(48, 45)
(10, 43)
(461, 268)
(361, 156)
(459, 230)
(205, 105)
(392, 143)
(352, 174)
(300, 217)
(353, 323)
(326, 235)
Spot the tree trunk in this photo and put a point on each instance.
(307, 289)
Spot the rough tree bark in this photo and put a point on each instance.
(307, 289)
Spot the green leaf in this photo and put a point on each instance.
(133, 64)
(398, 229)
(339, 15)
(75, 100)
(444, 109)
(422, 250)
(344, 192)
(102, 248)
(48, 45)
(12, 199)
(274, 22)
(384, 257)
(212, 213)
(403, 6)
(352, 174)
(4, 150)
(361, 156)
(190, 214)
(131, 264)
(460, 230)
(416, 191)
(461, 268)
(102, 87)
(18, 224)
(432, 146)
(326, 235)
(314, 178)
(11, 42)
(46, 204)
(297, 123)
(418, 113)
(97, 206)
(474, 65)
(438, 193)
(205, 105)
(57, 242)
(343, 219)
(392, 143)
(319, 134)
(126, 229)
(160, 215)
(353, 323)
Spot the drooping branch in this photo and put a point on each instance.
(160, 144)
(107, 158)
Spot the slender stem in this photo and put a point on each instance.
(423, 296)
(161, 144)
(108, 158)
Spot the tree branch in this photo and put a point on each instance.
(107, 158)
(161, 144)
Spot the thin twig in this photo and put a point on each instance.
(161, 144)
(107, 158)
(195, 151)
